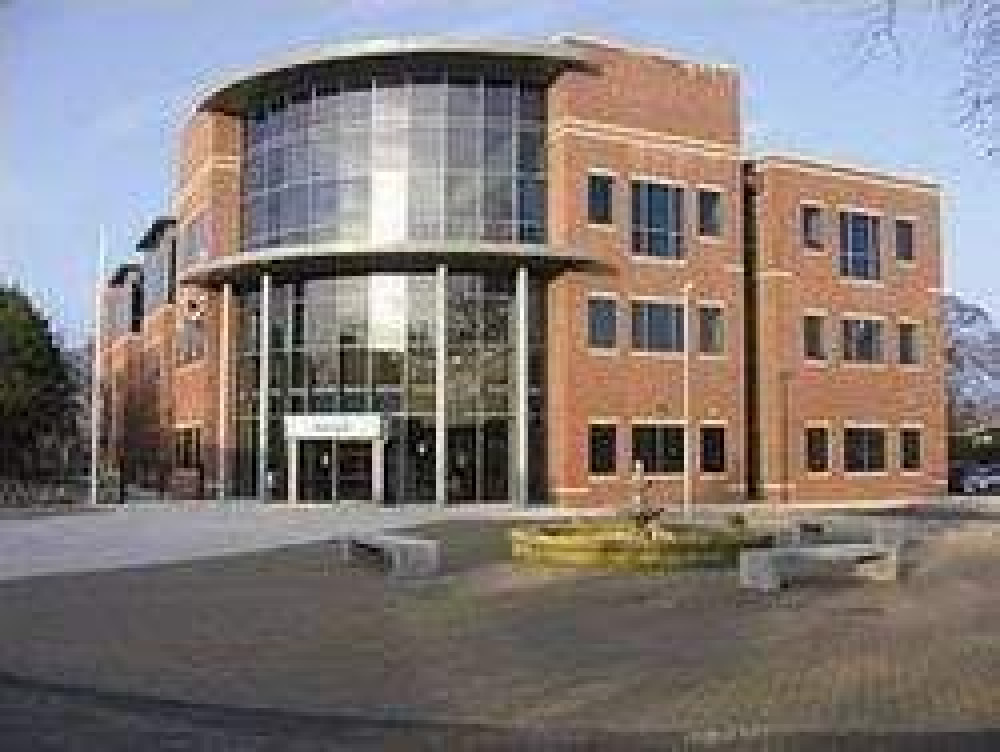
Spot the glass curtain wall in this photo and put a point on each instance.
(366, 344)
(419, 153)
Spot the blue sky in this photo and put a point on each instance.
(94, 92)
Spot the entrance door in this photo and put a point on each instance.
(354, 470)
(315, 470)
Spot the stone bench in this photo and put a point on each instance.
(402, 557)
(768, 570)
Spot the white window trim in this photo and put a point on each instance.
(914, 221)
(640, 258)
(719, 305)
(657, 180)
(602, 171)
(672, 299)
(657, 422)
(860, 210)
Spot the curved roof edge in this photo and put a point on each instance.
(554, 53)
(342, 256)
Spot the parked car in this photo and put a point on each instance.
(981, 479)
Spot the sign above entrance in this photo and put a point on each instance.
(360, 427)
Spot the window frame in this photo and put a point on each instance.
(905, 466)
(916, 341)
(807, 456)
(609, 178)
(911, 223)
(664, 430)
(817, 209)
(849, 350)
(720, 308)
(672, 305)
(847, 258)
(611, 425)
(868, 430)
(824, 348)
(602, 297)
(717, 232)
(674, 229)
(708, 426)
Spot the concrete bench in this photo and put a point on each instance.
(768, 570)
(402, 557)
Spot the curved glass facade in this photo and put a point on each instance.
(374, 343)
(414, 153)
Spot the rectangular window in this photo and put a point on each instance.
(187, 448)
(603, 448)
(709, 212)
(657, 220)
(909, 449)
(862, 340)
(713, 449)
(813, 339)
(602, 323)
(817, 450)
(812, 227)
(909, 344)
(711, 330)
(904, 240)
(657, 327)
(660, 449)
(859, 246)
(600, 190)
(864, 450)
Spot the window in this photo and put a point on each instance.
(713, 449)
(909, 344)
(187, 448)
(813, 343)
(657, 327)
(660, 449)
(711, 329)
(864, 450)
(817, 450)
(603, 447)
(909, 449)
(859, 246)
(709, 212)
(602, 323)
(657, 220)
(863, 340)
(812, 227)
(904, 240)
(600, 190)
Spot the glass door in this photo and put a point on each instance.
(354, 471)
(315, 470)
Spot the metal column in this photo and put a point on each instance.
(223, 433)
(292, 455)
(440, 435)
(263, 386)
(521, 409)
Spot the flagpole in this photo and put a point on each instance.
(95, 369)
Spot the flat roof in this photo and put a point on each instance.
(155, 231)
(229, 93)
(805, 163)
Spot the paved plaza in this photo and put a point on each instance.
(281, 628)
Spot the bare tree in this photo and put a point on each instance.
(974, 28)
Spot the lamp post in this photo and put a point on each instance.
(688, 459)
(95, 369)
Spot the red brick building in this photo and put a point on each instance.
(443, 271)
